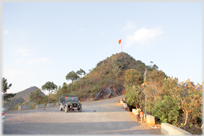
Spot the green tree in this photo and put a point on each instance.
(81, 72)
(72, 76)
(190, 99)
(36, 96)
(6, 86)
(152, 92)
(64, 88)
(133, 80)
(155, 66)
(157, 76)
(153, 88)
(134, 95)
(44, 100)
(49, 86)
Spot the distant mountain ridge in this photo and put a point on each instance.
(21, 97)
(25, 94)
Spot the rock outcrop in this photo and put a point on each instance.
(109, 92)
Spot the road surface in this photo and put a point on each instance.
(99, 117)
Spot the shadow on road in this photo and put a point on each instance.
(77, 128)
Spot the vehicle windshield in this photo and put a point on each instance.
(71, 99)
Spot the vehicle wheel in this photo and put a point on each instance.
(80, 110)
(66, 109)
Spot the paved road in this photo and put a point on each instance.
(100, 117)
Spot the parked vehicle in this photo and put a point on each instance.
(3, 114)
(69, 103)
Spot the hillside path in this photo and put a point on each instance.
(98, 117)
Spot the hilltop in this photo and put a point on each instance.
(105, 80)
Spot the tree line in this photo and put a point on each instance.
(36, 96)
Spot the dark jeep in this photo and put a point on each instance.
(69, 103)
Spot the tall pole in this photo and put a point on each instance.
(145, 73)
(145, 103)
(120, 44)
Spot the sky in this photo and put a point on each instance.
(44, 41)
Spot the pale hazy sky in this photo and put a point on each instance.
(44, 41)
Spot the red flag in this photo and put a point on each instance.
(119, 41)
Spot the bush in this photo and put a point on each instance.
(87, 91)
(16, 107)
(52, 100)
(101, 83)
(167, 110)
(24, 103)
(109, 80)
(134, 96)
(44, 100)
(92, 94)
(32, 106)
(96, 88)
(122, 65)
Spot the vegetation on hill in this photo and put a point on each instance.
(13, 104)
(107, 73)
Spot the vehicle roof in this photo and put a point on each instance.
(68, 95)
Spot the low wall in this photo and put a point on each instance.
(40, 106)
(50, 104)
(145, 115)
(23, 107)
(134, 111)
(125, 105)
(168, 129)
(149, 119)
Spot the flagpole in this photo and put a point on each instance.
(120, 44)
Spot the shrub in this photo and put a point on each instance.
(92, 94)
(96, 88)
(101, 82)
(24, 103)
(16, 107)
(167, 110)
(32, 106)
(134, 96)
(87, 91)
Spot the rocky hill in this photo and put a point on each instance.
(106, 79)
